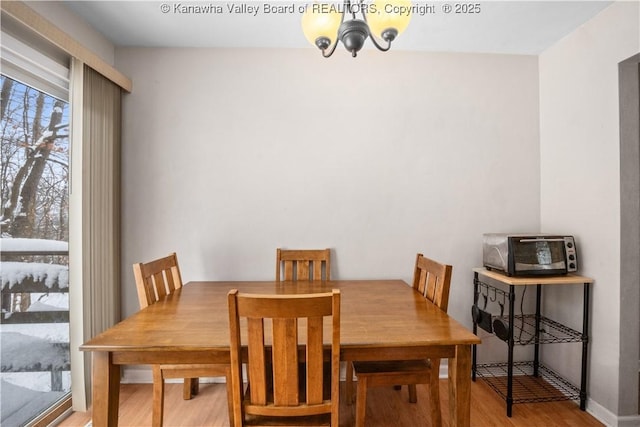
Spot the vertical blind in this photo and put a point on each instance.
(101, 201)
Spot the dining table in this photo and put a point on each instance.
(380, 320)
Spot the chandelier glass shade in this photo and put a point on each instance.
(351, 23)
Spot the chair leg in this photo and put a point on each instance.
(190, 388)
(361, 401)
(229, 386)
(195, 386)
(158, 397)
(237, 396)
(349, 381)
(413, 395)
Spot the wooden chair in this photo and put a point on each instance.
(432, 280)
(303, 264)
(155, 280)
(272, 342)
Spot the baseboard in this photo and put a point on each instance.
(610, 419)
(145, 376)
(141, 375)
(136, 376)
(444, 369)
(630, 421)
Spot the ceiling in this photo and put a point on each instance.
(510, 27)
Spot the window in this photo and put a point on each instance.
(34, 180)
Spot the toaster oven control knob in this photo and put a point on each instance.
(572, 265)
(569, 244)
(572, 257)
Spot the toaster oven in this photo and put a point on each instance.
(529, 254)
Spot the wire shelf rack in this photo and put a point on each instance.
(527, 388)
(550, 331)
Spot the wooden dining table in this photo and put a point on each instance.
(380, 320)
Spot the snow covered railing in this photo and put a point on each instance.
(27, 247)
(33, 277)
(34, 284)
(19, 277)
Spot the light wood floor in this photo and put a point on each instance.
(385, 407)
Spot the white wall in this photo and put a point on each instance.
(580, 184)
(229, 154)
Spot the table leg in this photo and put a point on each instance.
(536, 346)
(474, 352)
(510, 344)
(585, 348)
(460, 387)
(105, 390)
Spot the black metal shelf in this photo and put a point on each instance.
(527, 388)
(530, 381)
(549, 331)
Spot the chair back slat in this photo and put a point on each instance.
(433, 279)
(257, 364)
(288, 270)
(303, 264)
(278, 393)
(160, 284)
(157, 279)
(315, 359)
(302, 268)
(421, 284)
(285, 362)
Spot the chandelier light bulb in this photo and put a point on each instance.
(325, 25)
(388, 18)
(320, 24)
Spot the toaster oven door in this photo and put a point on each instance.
(538, 255)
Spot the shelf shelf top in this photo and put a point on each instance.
(565, 279)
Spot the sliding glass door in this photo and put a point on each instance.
(34, 325)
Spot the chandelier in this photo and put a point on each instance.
(326, 24)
